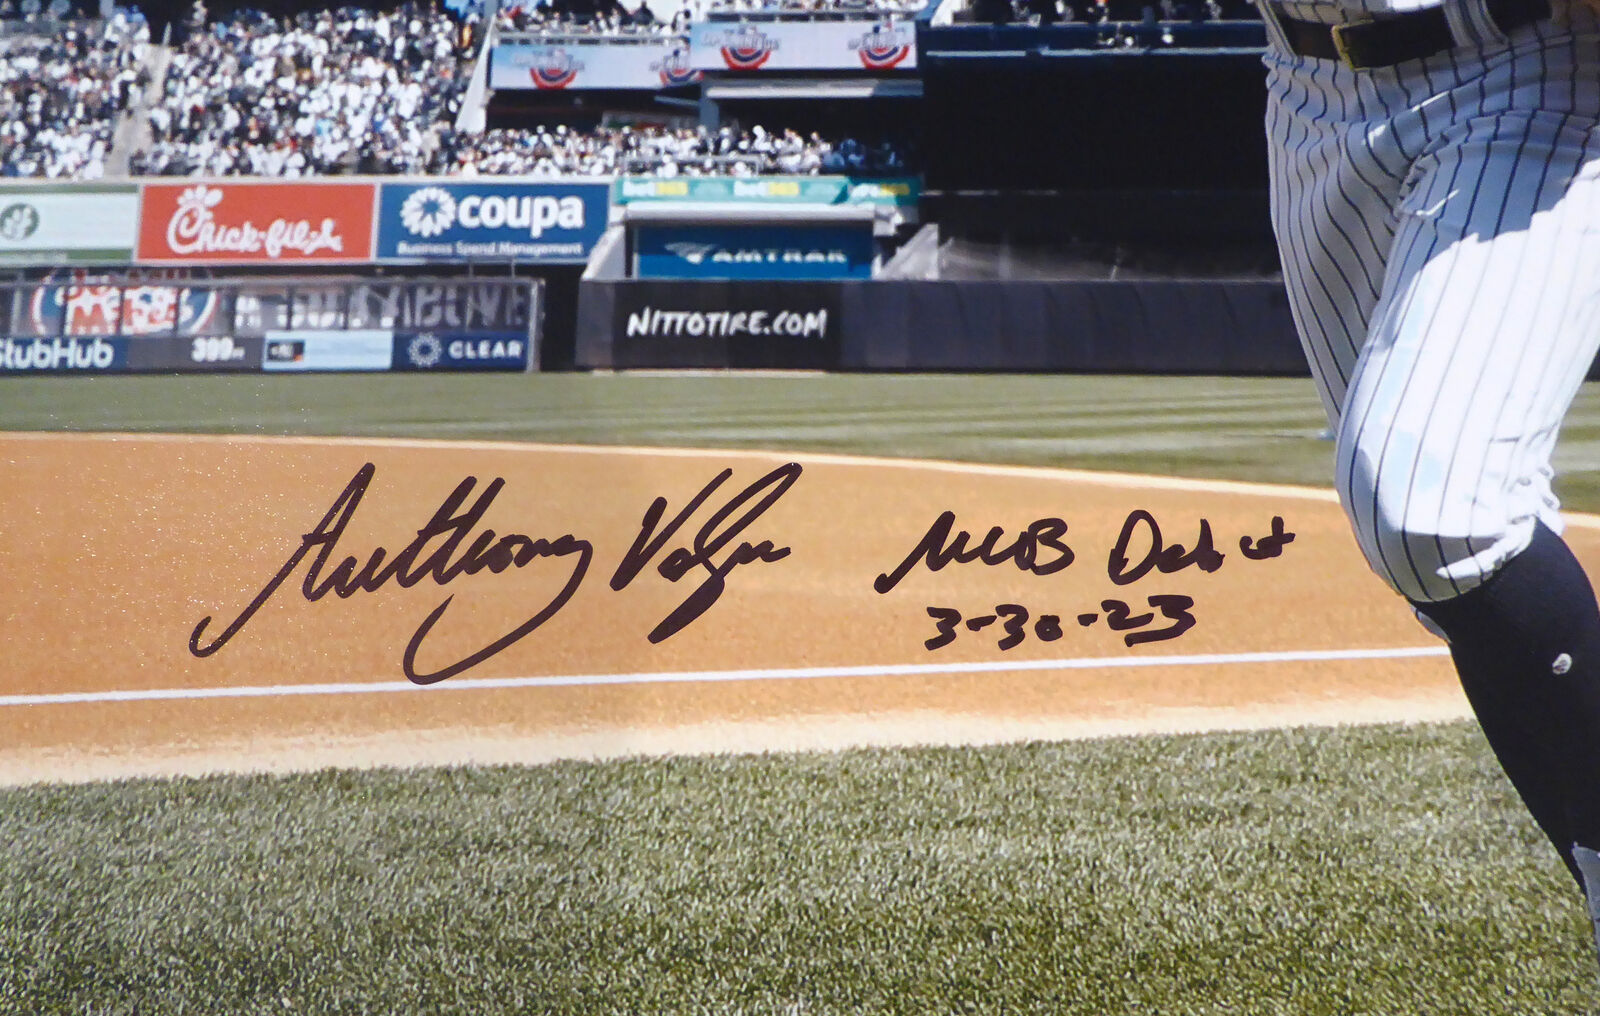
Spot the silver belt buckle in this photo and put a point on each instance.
(1342, 47)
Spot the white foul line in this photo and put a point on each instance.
(684, 677)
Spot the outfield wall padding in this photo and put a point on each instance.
(1233, 327)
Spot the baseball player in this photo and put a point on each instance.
(1435, 175)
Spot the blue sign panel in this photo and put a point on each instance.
(462, 351)
(548, 222)
(753, 252)
(62, 355)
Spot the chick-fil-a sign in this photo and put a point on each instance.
(273, 223)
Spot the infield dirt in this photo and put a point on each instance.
(122, 544)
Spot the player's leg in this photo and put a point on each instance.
(1336, 173)
(1487, 326)
(1489, 320)
(1330, 177)
(1517, 641)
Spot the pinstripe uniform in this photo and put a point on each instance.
(1438, 218)
(1438, 223)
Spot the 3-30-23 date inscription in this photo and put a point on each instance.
(1013, 619)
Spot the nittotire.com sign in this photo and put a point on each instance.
(654, 322)
(726, 324)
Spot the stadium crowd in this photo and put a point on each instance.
(657, 151)
(609, 17)
(61, 95)
(1146, 15)
(350, 90)
(53, 10)
(566, 17)
(818, 7)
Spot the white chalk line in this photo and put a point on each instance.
(713, 676)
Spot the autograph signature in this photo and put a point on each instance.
(455, 543)
(462, 551)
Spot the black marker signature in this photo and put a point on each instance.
(350, 577)
(1168, 559)
(938, 548)
(707, 542)
(1266, 546)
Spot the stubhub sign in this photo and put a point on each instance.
(549, 222)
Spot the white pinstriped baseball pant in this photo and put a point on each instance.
(1439, 226)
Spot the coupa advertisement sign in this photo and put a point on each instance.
(753, 252)
(557, 223)
(52, 224)
(571, 65)
(864, 45)
(256, 223)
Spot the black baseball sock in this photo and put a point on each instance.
(1526, 644)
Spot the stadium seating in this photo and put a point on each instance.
(63, 86)
(355, 91)
(332, 92)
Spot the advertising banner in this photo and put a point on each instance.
(454, 305)
(865, 45)
(62, 355)
(788, 190)
(256, 223)
(462, 351)
(308, 350)
(168, 355)
(198, 355)
(753, 252)
(726, 324)
(78, 302)
(542, 222)
(571, 64)
(53, 224)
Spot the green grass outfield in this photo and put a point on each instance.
(1265, 429)
(1362, 870)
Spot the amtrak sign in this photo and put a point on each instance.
(500, 221)
(753, 252)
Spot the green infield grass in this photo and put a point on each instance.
(1264, 429)
(1363, 870)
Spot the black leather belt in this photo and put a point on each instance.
(1396, 39)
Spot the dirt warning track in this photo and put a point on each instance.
(121, 545)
